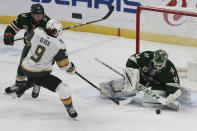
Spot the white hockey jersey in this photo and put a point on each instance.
(44, 51)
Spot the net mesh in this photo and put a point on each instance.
(174, 32)
(169, 28)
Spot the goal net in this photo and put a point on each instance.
(171, 28)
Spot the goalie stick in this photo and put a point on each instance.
(109, 67)
(121, 102)
(155, 96)
(85, 23)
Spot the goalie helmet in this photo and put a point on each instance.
(54, 28)
(160, 58)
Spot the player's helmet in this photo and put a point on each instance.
(160, 58)
(37, 9)
(54, 28)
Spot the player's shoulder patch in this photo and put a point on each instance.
(45, 19)
(148, 52)
(24, 15)
(172, 72)
(170, 68)
(170, 64)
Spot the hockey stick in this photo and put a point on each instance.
(90, 22)
(19, 39)
(109, 67)
(121, 102)
(85, 23)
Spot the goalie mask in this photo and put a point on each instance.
(160, 58)
(53, 28)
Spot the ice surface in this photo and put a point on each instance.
(46, 113)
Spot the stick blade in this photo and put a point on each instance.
(125, 102)
(109, 13)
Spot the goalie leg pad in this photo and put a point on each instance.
(170, 98)
(185, 97)
(106, 87)
(113, 89)
(174, 105)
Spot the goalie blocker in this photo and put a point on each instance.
(149, 69)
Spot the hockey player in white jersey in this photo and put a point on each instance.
(47, 48)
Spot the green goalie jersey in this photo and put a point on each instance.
(165, 79)
(25, 21)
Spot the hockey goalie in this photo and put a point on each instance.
(154, 71)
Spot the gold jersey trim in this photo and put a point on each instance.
(35, 70)
(62, 63)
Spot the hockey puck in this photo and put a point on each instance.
(158, 111)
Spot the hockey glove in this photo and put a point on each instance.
(71, 69)
(8, 39)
